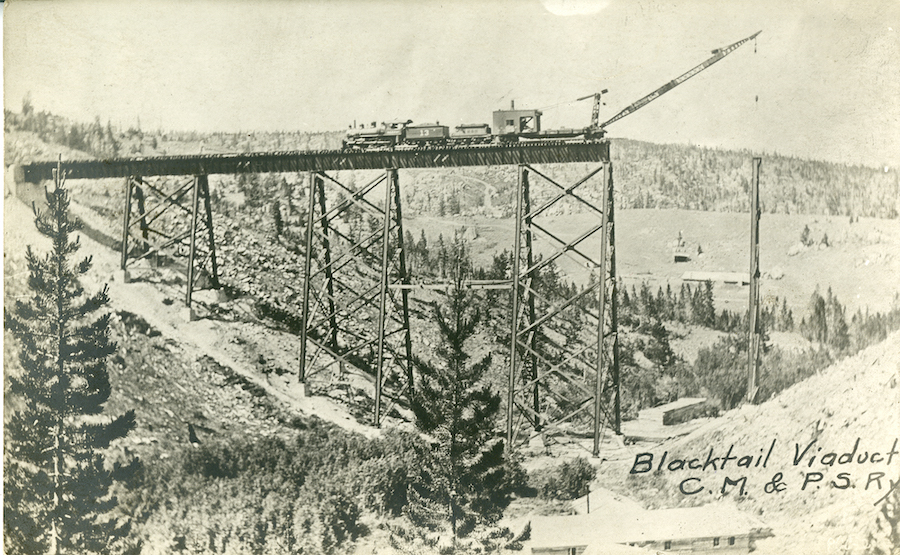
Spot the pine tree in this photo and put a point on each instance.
(422, 247)
(442, 259)
(816, 327)
(57, 491)
(836, 323)
(412, 254)
(804, 236)
(454, 406)
(786, 318)
(703, 306)
(277, 219)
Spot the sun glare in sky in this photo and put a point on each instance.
(574, 7)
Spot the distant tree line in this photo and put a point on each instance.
(653, 176)
(689, 177)
(647, 175)
(94, 138)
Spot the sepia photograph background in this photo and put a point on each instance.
(236, 455)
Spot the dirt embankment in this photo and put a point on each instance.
(815, 463)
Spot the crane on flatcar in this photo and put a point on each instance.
(718, 54)
(511, 125)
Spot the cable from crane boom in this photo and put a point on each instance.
(718, 54)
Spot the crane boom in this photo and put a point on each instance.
(718, 54)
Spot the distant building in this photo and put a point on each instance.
(711, 529)
(681, 254)
(729, 278)
(677, 412)
(681, 250)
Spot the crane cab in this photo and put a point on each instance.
(517, 122)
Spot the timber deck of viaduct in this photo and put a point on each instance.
(324, 160)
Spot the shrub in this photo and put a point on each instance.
(399, 461)
(570, 480)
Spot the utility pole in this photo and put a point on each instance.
(753, 356)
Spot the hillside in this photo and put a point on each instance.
(231, 373)
(849, 410)
(647, 175)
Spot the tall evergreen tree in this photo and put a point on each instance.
(836, 323)
(57, 491)
(422, 248)
(815, 327)
(453, 405)
(703, 308)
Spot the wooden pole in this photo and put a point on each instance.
(753, 351)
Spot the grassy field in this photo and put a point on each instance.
(861, 265)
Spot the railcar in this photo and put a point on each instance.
(472, 134)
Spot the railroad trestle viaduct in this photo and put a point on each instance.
(584, 381)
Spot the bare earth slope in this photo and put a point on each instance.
(833, 460)
(261, 359)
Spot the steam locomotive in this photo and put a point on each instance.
(508, 126)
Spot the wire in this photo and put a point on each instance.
(557, 104)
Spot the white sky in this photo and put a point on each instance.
(824, 81)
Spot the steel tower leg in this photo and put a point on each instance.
(404, 280)
(614, 304)
(126, 222)
(598, 394)
(326, 254)
(390, 183)
(141, 205)
(514, 303)
(195, 208)
(529, 292)
(307, 272)
(207, 205)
